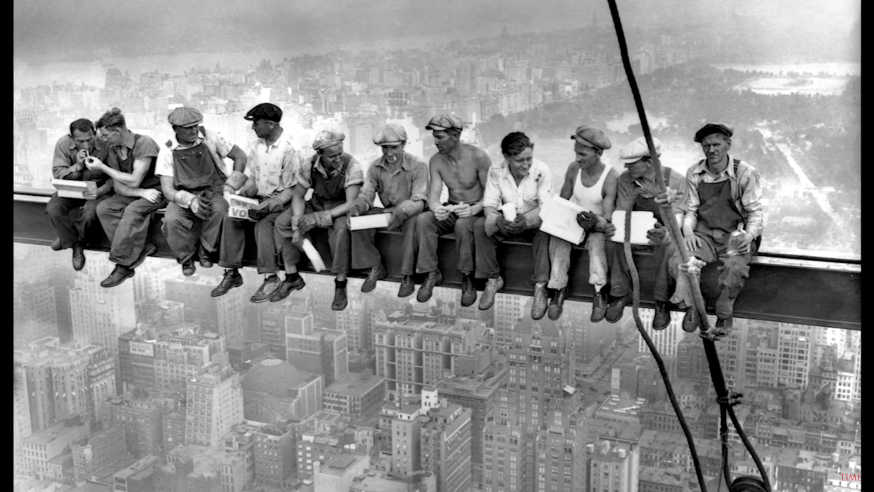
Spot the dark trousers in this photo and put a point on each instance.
(339, 239)
(183, 229)
(429, 231)
(73, 230)
(125, 221)
(620, 274)
(365, 254)
(487, 250)
(733, 272)
(234, 242)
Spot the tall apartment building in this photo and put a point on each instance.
(413, 350)
(446, 447)
(509, 309)
(666, 341)
(315, 350)
(355, 322)
(560, 460)
(214, 405)
(613, 466)
(314, 447)
(34, 314)
(795, 351)
(273, 323)
(222, 315)
(98, 451)
(591, 340)
(275, 460)
(140, 419)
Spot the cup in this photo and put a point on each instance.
(509, 211)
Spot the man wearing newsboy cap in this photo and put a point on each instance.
(194, 178)
(464, 169)
(636, 188)
(724, 196)
(273, 160)
(335, 178)
(401, 180)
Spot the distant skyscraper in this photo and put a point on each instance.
(666, 341)
(214, 405)
(34, 314)
(613, 467)
(223, 315)
(795, 350)
(446, 447)
(141, 421)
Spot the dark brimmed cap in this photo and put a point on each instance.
(711, 128)
(591, 137)
(265, 111)
(445, 122)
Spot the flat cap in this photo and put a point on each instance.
(637, 150)
(711, 128)
(591, 137)
(445, 122)
(185, 116)
(265, 111)
(327, 138)
(390, 134)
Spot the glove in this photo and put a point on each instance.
(323, 219)
(587, 220)
(306, 223)
(397, 218)
(257, 213)
(669, 196)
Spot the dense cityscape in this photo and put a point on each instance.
(156, 386)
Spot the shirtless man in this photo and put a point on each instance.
(464, 169)
(591, 184)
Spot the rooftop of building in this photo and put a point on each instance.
(355, 384)
(379, 483)
(617, 405)
(137, 466)
(275, 376)
(206, 460)
(663, 476)
(415, 321)
(56, 431)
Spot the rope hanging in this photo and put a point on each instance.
(708, 336)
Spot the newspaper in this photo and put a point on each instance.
(239, 206)
(560, 219)
(641, 222)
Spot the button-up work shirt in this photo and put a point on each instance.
(274, 168)
(408, 182)
(214, 141)
(354, 174)
(532, 192)
(746, 191)
(65, 158)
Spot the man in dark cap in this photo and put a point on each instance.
(401, 180)
(126, 216)
(524, 184)
(637, 186)
(335, 178)
(270, 171)
(591, 184)
(69, 163)
(463, 168)
(724, 196)
(194, 178)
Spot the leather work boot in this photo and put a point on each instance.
(231, 279)
(286, 288)
(616, 307)
(56, 244)
(271, 283)
(118, 275)
(599, 307)
(78, 257)
(433, 279)
(468, 291)
(376, 273)
(538, 307)
(203, 257)
(492, 287)
(691, 319)
(557, 305)
(662, 317)
(188, 267)
(340, 300)
(407, 286)
(723, 326)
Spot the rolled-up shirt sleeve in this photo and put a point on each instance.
(355, 173)
(371, 185)
(421, 179)
(304, 173)
(492, 194)
(750, 199)
(290, 164)
(690, 220)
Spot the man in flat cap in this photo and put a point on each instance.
(637, 189)
(335, 178)
(591, 184)
(463, 168)
(270, 177)
(724, 196)
(68, 163)
(127, 214)
(401, 180)
(194, 178)
(525, 184)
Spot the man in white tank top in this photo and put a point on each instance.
(591, 184)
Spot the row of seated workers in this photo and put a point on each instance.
(487, 203)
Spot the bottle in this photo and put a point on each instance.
(734, 240)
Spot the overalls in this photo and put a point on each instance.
(126, 219)
(195, 171)
(328, 193)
